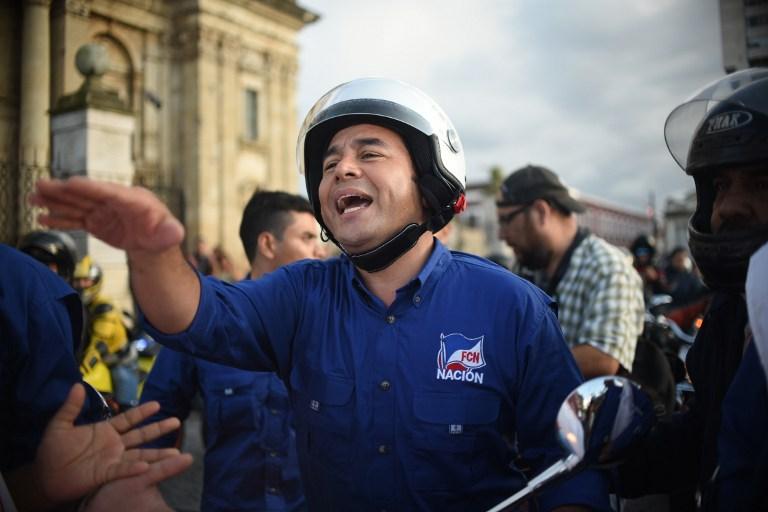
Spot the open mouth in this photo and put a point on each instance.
(349, 203)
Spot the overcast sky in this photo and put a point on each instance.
(580, 86)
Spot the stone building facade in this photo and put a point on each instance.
(210, 84)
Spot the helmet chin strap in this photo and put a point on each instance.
(385, 254)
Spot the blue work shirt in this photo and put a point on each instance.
(436, 402)
(41, 318)
(742, 443)
(250, 455)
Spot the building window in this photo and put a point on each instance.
(251, 132)
(759, 20)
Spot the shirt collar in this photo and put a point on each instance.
(436, 264)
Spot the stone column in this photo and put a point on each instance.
(290, 71)
(34, 130)
(92, 131)
(275, 171)
(231, 210)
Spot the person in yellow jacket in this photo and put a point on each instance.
(107, 363)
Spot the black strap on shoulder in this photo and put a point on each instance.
(562, 267)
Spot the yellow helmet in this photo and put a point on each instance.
(87, 279)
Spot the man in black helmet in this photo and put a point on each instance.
(54, 249)
(420, 379)
(720, 138)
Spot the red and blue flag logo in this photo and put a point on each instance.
(457, 352)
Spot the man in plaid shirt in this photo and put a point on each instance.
(599, 293)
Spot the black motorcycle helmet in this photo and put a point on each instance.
(644, 246)
(724, 125)
(428, 134)
(52, 247)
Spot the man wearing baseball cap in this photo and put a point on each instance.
(600, 295)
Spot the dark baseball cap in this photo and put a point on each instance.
(533, 182)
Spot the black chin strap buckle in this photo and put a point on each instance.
(385, 254)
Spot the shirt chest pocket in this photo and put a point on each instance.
(451, 439)
(236, 404)
(325, 413)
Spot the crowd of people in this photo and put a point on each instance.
(399, 375)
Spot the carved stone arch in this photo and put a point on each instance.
(120, 74)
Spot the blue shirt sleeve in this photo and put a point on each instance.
(40, 318)
(547, 373)
(235, 323)
(742, 442)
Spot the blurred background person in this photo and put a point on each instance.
(223, 268)
(108, 363)
(250, 457)
(48, 457)
(500, 259)
(41, 320)
(54, 249)
(201, 257)
(643, 251)
(599, 295)
(683, 284)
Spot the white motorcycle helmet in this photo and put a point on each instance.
(428, 134)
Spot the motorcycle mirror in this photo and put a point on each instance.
(597, 423)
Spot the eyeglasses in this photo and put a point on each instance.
(509, 217)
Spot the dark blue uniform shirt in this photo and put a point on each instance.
(432, 403)
(40, 325)
(742, 443)
(250, 457)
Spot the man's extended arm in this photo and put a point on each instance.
(135, 220)
(166, 288)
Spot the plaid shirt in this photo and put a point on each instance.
(600, 300)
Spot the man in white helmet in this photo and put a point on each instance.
(420, 379)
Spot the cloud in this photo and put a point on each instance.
(581, 86)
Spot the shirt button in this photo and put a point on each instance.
(274, 411)
(384, 385)
(273, 454)
(417, 299)
(272, 490)
(383, 449)
(391, 319)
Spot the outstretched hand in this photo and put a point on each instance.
(72, 461)
(129, 218)
(139, 492)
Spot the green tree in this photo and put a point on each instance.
(497, 177)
